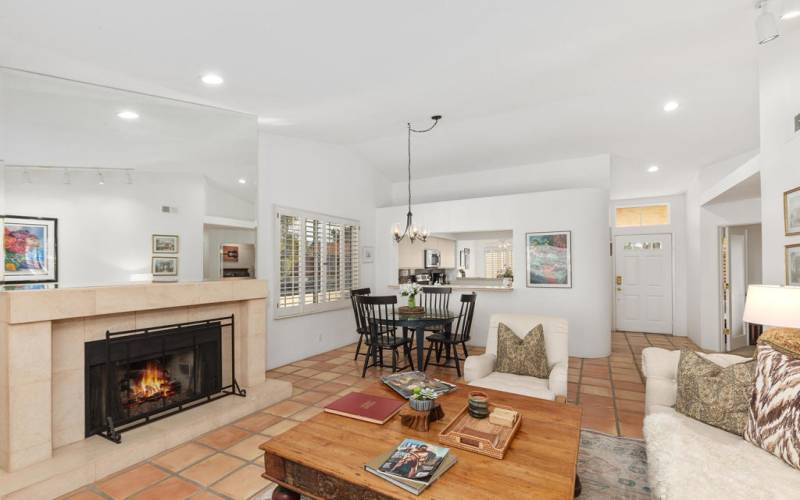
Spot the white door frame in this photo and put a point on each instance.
(614, 273)
(726, 299)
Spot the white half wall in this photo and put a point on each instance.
(320, 178)
(104, 231)
(587, 305)
(588, 172)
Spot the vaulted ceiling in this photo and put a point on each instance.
(517, 81)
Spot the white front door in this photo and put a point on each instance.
(643, 284)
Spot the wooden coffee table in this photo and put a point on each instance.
(324, 457)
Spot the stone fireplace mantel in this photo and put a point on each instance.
(42, 338)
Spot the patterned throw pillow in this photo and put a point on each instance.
(715, 395)
(784, 340)
(526, 356)
(774, 423)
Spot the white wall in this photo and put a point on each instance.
(589, 172)
(676, 228)
(587, 305)
(779, 74)
(326, 179)
(213, 237)
(105, 231)
(221, 203)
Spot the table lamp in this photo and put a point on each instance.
(773, 306)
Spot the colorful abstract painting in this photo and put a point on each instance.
(549, 259)
(29, 249)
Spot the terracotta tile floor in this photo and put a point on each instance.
(226, 462)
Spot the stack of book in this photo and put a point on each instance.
(404, 383)
(413, 465)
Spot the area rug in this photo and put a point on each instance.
(612, 467)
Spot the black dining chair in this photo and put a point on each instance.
(449, 341)
(377, 311)
(435, 298)
(361, 323)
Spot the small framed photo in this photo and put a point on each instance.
(793, 264)
(791, 212)
(30, 249)
(165, 266)
(549, 259)
(165, 243)
(367, 255)
(230, 253)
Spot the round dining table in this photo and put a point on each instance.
(419, 323)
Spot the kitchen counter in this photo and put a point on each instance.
(488, 288)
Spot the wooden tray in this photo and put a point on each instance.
(479, 435)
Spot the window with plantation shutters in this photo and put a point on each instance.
(318, 262)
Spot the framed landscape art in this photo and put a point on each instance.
(30, 249)
(230, 253)
(165, 243)
(793, 264)
(791, 211)
(549, 259)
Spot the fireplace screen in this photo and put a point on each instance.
(134, 377)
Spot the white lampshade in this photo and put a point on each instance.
(773, 306)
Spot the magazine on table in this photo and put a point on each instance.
(413, 465)
(404, 382)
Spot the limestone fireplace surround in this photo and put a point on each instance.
(43, 452)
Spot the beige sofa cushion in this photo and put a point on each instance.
(715, 395)
(522, 356)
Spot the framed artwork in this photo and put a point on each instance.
(30, 249)
(165, 243)
(367, 255)
(549, 259)
(791, 212)
(165, 266)
(793, 264)
(230, 253)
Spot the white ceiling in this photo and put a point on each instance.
(517, 81)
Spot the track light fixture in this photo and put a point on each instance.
(766, 24)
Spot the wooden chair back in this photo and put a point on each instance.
(436, 298)
(463, 326)
(361, 322)
(377, 310)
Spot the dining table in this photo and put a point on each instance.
(419, 322)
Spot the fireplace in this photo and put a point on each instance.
(137, 376)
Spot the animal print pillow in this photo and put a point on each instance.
(774, 423)
(526, 356)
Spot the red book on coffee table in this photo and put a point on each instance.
(366, 407)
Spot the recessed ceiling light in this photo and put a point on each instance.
(128, 115)
(242, 181)
(212, 79)
(652, 169)
(671, 106)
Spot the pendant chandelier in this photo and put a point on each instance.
(412, 231)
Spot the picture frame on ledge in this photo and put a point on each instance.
(164, 267)
(30, 249)
(793, 264)
(791, 212)
(165, 243)
(548, 259)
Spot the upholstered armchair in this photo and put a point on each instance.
(480, 370)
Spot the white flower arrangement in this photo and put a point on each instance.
(410, 290)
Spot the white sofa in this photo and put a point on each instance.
(689, 459)
(479, 370)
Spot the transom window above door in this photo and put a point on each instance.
(642, 215)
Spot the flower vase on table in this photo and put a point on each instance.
(411, 291)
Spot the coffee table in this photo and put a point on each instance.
(324, 457)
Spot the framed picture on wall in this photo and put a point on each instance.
(165, 243)
(549, 259)
(791, 212)
(30, 249)
(793, 264)
(367, 255)
(230, 253)
(165, 266)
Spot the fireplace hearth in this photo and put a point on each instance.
(138, 376)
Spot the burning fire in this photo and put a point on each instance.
(153, 383)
